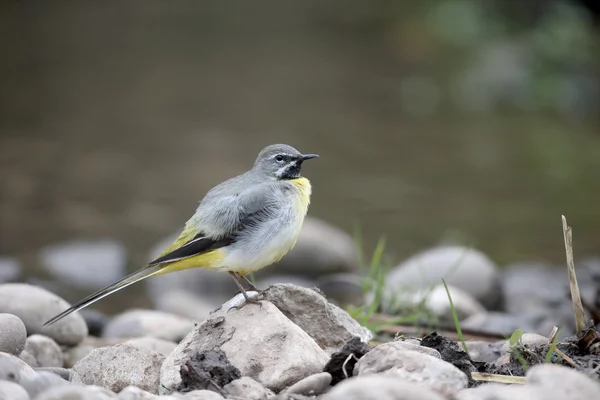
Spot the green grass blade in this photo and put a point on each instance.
(455, 318)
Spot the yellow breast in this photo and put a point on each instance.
(303, 185)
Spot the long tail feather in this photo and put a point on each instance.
(123, 283)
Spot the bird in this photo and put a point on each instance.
(242, 225)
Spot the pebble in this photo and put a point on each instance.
(562, 380)
(64, 373)
(119, 366)
(313, 385)
(321, 249)
(342, 289)
(250, 346)
(202, 395)
(186, 304)
(13, 368)
(464, 268)
(496, 323)
(34, 306)
(28, 358)
(481, 351)
(496, 391)
(161, 346)
(326, 323)
(10, 269)
(77, 392)
(246, 388)
(39, 382)
(12, 334)
(45, 351)
(12, 391)
(85, 264)
(380, 387)
(135, 393)
(529, 340)
(139, 323)
(414, 367)
(73, 354)
(396, 348)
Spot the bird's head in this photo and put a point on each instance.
(281, 161)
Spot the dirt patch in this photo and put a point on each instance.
(343, 361)
(452, 353)
(210, 370)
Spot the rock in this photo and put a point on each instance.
(415, 367)
(259, 340)
(496, 323)
(95, 321)
(64, 373)
(74, 354)
(202, 395)
(247, 389)
(13, 368)
(529, 340)
(40, 382)
(381, 388)
(313, 385)
(321, 249)
(91, 265)
(342, 289)
(12, 391)
(496, 391)
(28, 358)
(76, 392)
(435, 300)
(463, 268)
(34, 306)
(12, 334)
(10, 270)
(135, 393)
(400, 345)
(185, 304)
(484, 351)
(160, 346)
(208, 369)
(119, 366)
(341, 364)
(265, 282)
(138, 323)
(563, 381)
(450, 352)
(45, 351)
(326, 323)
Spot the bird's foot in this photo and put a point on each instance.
(248, 300)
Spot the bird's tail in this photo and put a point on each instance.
(128, 280)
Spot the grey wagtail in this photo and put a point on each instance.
(242, 225)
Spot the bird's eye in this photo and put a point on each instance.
(279, 158)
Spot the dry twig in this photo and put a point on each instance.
(580, 323)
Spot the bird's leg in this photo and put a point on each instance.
(251, 284)
(239, 285)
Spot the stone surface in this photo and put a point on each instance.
(484, 351)
(414, 367)
(135, 393)
(12, 334)
(13, 368)
(186, 304)
(313, 385)
(380, 388)
(202, 395)
(73, 354)
(496, 323)
(247, 388)
(321, 249)
(10, 269)
(28, 358)
(64, 373)
(34, 306)
(161, 346)
(86, 264)
(12, 391)
(496, 391)
(259, 340)
(41, 381)
(342, 289)
(529, 340)
(76, 392)
(326, 323)
(138, 323)
(563, 381)
(45, 351)
(119, 366)
(464, 268)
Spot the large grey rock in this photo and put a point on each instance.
(313, 385)
(119, 366)
(161, 346)
(40, 382)
(45, 351)
(565, 381)
(34, 306)
(246, 388)
(72, 355)
(466, 269)
(138, 323)
(12, 391)
(414, 367)
(12, 334)
(76, 392)
(381, 388)
(259, 340)
(13, 368)
(10, 269)
(87, 264)
(326, 323)
(321, 249)
(496, 391)
(186, 304)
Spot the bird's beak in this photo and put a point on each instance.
(308, 156)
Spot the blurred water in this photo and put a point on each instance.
(117, 117)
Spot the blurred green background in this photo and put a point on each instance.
(468, 120)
